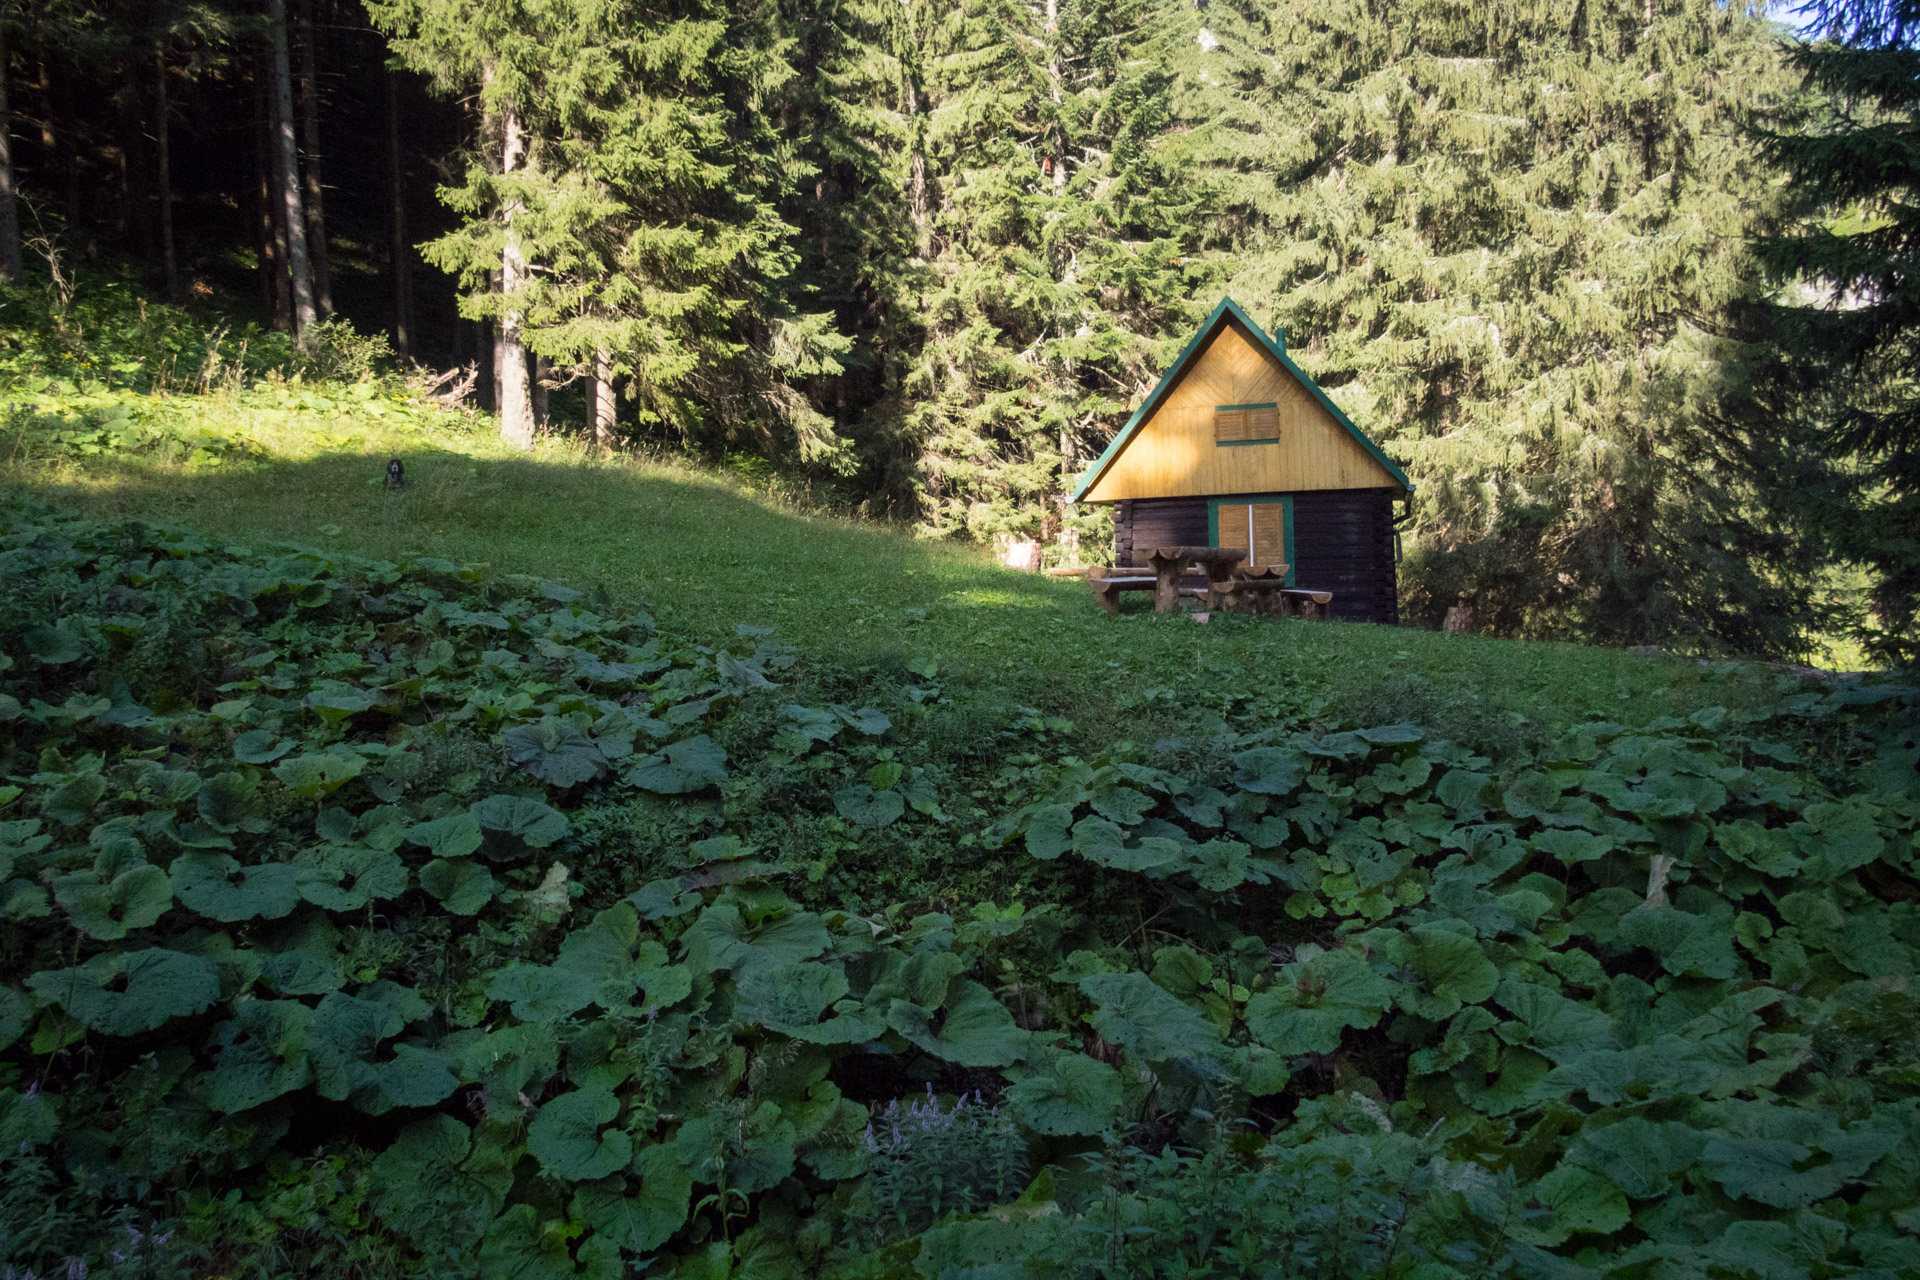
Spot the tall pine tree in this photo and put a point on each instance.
(1851, 335)
(1513, 240)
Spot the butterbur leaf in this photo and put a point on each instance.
(532, 822)
(555, 752)
(812, 723)
(15, 1010)
(229, 802)
(1146, 1020)
(788, 998)
(977, 1030)
(261, 1054)
(570, 1138)
(461, 885)
(1314, 1001)
(338, 878)
(126, 993)
(1582, 1202)
(1639, 1155)
(1450, 971)
(133, 899)
(1049, 830)
(260, 746)
(454, 836)
(867, 720)
(1100, 841)
(433, 1187)
(541, 993)
(313, 776)
(1686, 944)
(519, 1246)
(71, 803)
(54, 645)
(218, 887)
(1069, 1094)
(861, 805)
(692, 764)
(1269, 771)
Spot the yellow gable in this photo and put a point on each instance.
(1174, 454)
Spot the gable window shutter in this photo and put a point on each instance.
(1229, 424)
(1263, 424)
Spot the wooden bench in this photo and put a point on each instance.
(1108, 583)
(1307, 604)
(1268, 594)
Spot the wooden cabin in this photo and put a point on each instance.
(1237, 447)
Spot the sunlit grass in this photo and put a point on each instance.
(705, 552)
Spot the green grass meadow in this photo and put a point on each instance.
(705, 552)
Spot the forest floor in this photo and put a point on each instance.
(705, 552)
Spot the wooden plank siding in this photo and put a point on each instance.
(1342, 542)
(1175, 453)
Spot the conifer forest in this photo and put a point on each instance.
(525, 755)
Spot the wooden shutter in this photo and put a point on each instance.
(1268, 521)
(1229, 424)
(1263, 424)
(1231, 526)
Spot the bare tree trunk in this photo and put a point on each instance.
(163, 163)
(600, 400)
(516, 401)
(538, 391)
(1053, 87)
(399, 255)
(286, 156)
(10, 267)
(272, 256)
(310, 138)
(69, 129)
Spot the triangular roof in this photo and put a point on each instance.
(1227, 310)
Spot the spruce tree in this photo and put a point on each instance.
(1512, 240)
(1851, 332)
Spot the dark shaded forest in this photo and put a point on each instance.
(1622, 286)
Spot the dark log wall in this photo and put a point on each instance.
(1342, 542)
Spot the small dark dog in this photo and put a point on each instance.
(396, 475)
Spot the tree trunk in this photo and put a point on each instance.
(1053, 87)
(538, 391)
(600, 401)
(69, 135)
(272, 256)
(399, 255)
(163, 172)
(516, 401)
(310, 138)
(10, 266)
(286, 155)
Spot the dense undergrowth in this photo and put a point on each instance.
(392, 918)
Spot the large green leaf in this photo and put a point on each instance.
(530, 821)
(692, 764)
(218, 887)
(1146, 1020)
(1269, 771)
(788, 998)
(555, 752)
(125, 993)
(132, 900)
(438, 1188)
(1447, 969)
(1313, 1001)
(861, 805)
(320, 774)
(56, 644)
(71, 803)
(339, 878)
(453, 836)
(1069, 1093)
(1686, 944)
(461, 885)
(541, 993)
(261, 1054)
(976, 1031)
(571, 1139)
(1105, 844)
(1049, 830)
(1639, 1155)
(520, 1246)
(230, 803)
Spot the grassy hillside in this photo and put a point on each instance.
(704, 551)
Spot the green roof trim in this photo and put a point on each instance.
(1228, 309)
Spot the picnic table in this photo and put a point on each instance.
(1166, 566)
